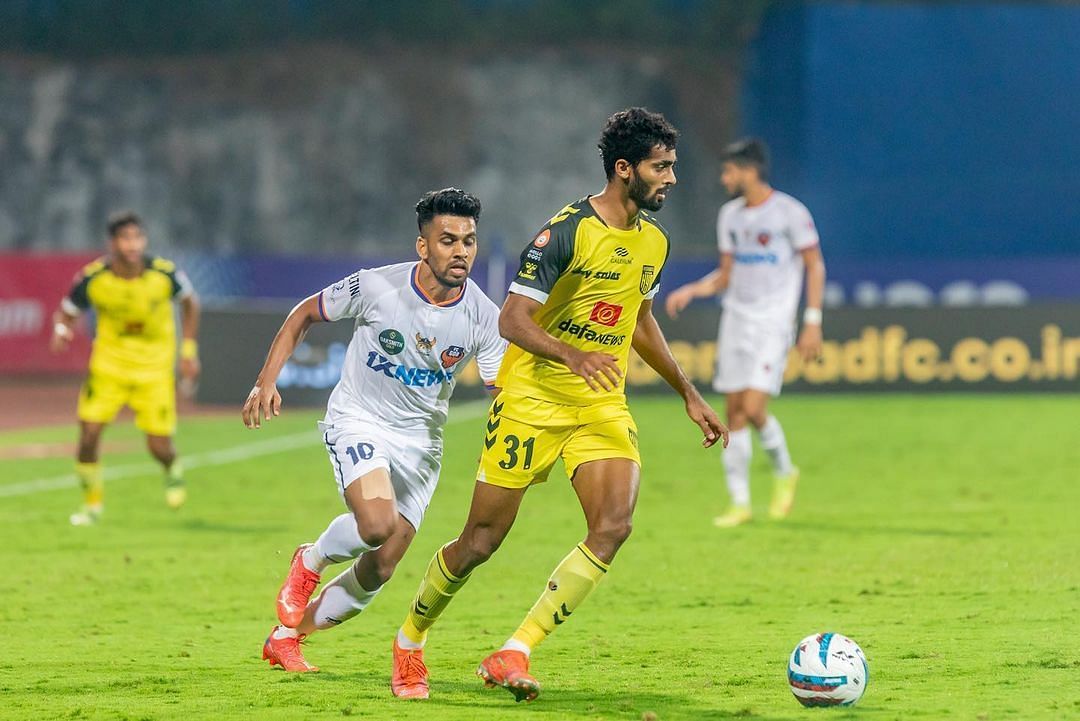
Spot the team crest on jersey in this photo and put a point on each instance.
(648, 273)
(424, 345)
(763, 238)
(451, 355)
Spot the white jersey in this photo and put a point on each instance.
(765, 240)
(400, 366)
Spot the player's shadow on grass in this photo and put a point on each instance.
(200, 524)
(556, 702)
(859, 530)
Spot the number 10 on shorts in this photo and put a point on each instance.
(361, 452)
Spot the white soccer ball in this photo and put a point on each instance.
(828, 669)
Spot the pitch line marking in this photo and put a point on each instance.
(464, 412)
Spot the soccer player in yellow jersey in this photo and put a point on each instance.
(133, 356)
(581, 300)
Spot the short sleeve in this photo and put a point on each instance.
(655, 287)
(489, 351)
(724, 238)
(348, 298)
(803, 232)
(544, 260)
(182, 287)
(78, 298)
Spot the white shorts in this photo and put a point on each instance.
(413, 463)
(750, 355)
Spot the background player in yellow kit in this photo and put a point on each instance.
(134, 354)
(581, 299)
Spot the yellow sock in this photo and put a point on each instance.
(92, 481)
(434, 595)
(573, 579)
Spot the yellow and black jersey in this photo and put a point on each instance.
(592, 279)
(136, 329)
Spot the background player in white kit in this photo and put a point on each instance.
(416, 325)
(767, 241)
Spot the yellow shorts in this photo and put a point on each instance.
(102, 396)
(524, 437)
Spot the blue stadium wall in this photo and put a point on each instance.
(925, 131)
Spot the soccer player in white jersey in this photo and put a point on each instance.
(417, 324)
(767, 242)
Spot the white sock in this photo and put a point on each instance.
(313, 560)
(285, 632)
(512, 644)
(775, 445)
(341, 540)
(407, 643)
(340, 600)
(737, 466)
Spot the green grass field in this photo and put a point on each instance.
(941, 533)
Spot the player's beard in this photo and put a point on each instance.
(448, 280)
(638, 190)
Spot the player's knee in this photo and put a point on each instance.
(481, 545)
(161, 448)
(375, 532)
(613, 532)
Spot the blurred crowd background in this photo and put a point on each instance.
(273, 146)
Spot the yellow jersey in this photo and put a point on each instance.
(136, 330)
(591, 279)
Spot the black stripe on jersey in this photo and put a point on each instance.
(548, 256)
(80, 294)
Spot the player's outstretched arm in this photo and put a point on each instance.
(709, 285)
(264, 400)
(652, 346)
(600, 370)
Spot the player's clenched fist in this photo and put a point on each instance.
(261, 403)
(600, 370)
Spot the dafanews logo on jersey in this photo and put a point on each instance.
(413, 377)
(605, 314)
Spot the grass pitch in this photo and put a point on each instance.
(941, 533)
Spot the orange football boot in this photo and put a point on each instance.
(509, 669)
(410, 673)
(285, 652)
(297, 589)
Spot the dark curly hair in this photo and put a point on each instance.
(752, 152)
(121, 219)
(631, 134)
(448, 201)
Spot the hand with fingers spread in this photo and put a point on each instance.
(702, 413)
(600, 370)
(262, 403)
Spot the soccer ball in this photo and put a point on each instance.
(827, 669)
